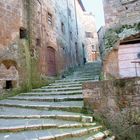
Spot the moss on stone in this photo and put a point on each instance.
(111, 37)
(119, 83)
(114, 35)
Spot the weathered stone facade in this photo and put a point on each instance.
(40, 38)
(121, 12)
(111, 65)
(116, 101)
(14, 52)
(91, 40)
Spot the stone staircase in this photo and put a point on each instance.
(53, 112)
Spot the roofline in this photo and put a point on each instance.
(100, 28)
(81, 4)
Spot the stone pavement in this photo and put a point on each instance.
(54, 112)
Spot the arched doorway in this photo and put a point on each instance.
(51, 61)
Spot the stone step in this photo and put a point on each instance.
(76, 76)
(47, 134)
(57, 89)
(110, 138)
(62, 86)
(17, 111)
(98, 136)
(77, 133)
(63, 83)
(92, 136)
(78, 118)
(82, 76)
(17, 125)
(88, 69)
(54, 98)
(51, 93)
(72, 80)
(75, 106)
(68, 82)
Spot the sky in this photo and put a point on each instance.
(96, 7)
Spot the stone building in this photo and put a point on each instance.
(39, 38)
(122, 38)
(91, 37)
(101, 33)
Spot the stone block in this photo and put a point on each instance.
(87, 119)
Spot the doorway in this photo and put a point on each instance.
(84, 56)
(51, 61)
(77, 52)
(9, 84)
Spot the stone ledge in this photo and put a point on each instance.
(72, 134)
(44, 126)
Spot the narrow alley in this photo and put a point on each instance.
(52, 112)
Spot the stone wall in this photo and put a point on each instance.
(101, 34)
(116, 101)
(120, 12)
(111, 65)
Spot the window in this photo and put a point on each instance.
(69, 12)
(50, 19)
(23, 33)
(9, 85)
(89, 35)
(93, 48)
(38, 42)
(62, 27)
(71, 35)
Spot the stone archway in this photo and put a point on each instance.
(51, 61)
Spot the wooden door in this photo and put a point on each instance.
(51, 61)
(127, 54)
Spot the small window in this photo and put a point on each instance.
(50, 19)
(71, 37)
(93, 48)
(69, 12)
(62, 27)
(23, 33)
(89, 35)
(9, 84)
(38, 42)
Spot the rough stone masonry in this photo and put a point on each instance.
(116, 101)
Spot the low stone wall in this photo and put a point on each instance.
(115, 101)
